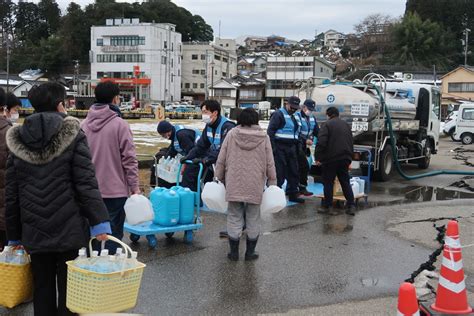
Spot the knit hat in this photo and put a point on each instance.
(164, 127)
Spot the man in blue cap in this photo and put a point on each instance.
(284, 130)
(309, 130)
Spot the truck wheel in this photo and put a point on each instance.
(466, 138)
(385, 165)
(451, 134)
(424, 163)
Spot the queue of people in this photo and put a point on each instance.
(63, 181)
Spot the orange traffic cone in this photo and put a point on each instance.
(407, 301)
(451, 297)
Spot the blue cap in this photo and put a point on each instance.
(164, 127)
(310, 104)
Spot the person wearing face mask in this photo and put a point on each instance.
(12, 108)
(284, 130)
(5, 124)
(208, 146)
(309, 129)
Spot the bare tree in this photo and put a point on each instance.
(374, 32)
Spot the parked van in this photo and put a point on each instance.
(449, 125)
(465, 124)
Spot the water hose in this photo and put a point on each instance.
(388, 122)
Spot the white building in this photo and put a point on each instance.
(334, 38)
(206, 63)
(285, 75)
(124, 48)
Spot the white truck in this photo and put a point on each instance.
(465, 124)
(414, 111)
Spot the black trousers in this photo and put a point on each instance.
(303, 166)
(3, 239)
(190, 176)
(115, 206)
(341, 170)
(286, 163)
(49, 271)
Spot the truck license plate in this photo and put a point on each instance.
(360, 126)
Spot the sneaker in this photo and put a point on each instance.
(223, 234)
(351, 210)
(294, 198)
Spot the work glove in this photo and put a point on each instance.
(183, 160)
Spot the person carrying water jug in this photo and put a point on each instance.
(245, 165)
(309, 130)
(53, 203)
(208, 146)
(284, 130)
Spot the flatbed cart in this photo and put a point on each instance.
(360, 150)
(152, 229)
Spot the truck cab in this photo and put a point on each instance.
(465, 124)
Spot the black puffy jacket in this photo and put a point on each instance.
(52, 194)
(334, 142)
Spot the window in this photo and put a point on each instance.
(468, 114)
(227, 45)
(224, 74)
(215, 72)
(195, 71)
(194, 57)
(187, 85)
(436, 103)
(120, 58)
(172, 62)
(172, 76)
(461, 87)
(248, 94)
(322, 70)
(100, 42)
(100, 74)
(217, 57)
(172, 47)
(195, 85)
(202, 85)
(222, 92)
(163, 60)
(165, 44)
(127, 40)
(281, 84)
(179, 72)
(203, 71)
(224, 59)
(203, 57)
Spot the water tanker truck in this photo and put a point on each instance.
(415, 116)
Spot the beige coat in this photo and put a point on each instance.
(246, 164)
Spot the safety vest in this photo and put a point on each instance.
(176, 145)
(289, 131)
(215, 138)
(308, 124)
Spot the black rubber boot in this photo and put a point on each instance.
(294, 198)
(250, 253)
(351, 210)
(233, 255)
(305, 192)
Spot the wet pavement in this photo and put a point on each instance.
(306, 259)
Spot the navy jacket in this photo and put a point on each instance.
(277, 121)
(203, 146)
(186, 141)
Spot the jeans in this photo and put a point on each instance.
(115, 206)
(49, 268)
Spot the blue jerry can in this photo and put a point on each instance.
(186, 206)
(165, 206)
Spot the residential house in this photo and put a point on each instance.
(225, 91)
(457, 87)
(255, 43)
(250, 65)
(333, 39)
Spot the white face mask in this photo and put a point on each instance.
(308, 113)
(14, 117)
(206, 118)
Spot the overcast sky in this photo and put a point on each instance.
(294, 19)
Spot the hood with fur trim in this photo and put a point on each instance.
(42, 137)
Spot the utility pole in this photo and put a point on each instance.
(76, 75)
(8, 62)
(466, 45)
(207, 74)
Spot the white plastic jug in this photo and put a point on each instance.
(355, 187)
(361, 184)
(273, 200)
(138, 209)
(213, 196)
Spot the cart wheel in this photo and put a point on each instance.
(169, 235)
(152, 242)
(134, 238)
(188, 236)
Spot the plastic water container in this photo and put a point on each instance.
(355, 187)
(166, 207)
(214, 196)
(361, 183)
(273, 200)
(186, 204)
(82, 261)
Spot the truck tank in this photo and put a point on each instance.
(357, 105)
